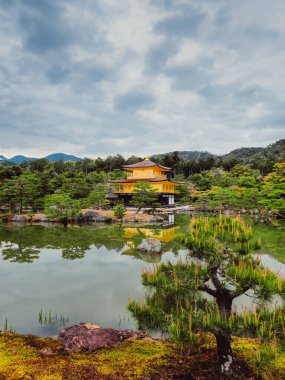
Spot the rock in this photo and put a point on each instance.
(6, 217)
(150, 245)
(47, 351)
(158, 218)
(92, 216)
(89, 337)
(38, 217)
(149, 220)
(21, 218)
(131, 218)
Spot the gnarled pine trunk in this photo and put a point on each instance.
(223, 338)
(224, 351)
(225, 302)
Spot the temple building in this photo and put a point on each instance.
(158, 176)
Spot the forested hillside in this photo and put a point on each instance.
(208, 183)
(187, 162)
(186, 155)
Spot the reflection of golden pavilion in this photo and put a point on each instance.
(163, 234)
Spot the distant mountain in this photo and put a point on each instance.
(51, 158)
(274, 152)
(62, 157)
(242, 154)
(4, 161)
(20, 159)
(277, 148)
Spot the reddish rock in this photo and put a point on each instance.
(89, 337)
(39, 217)
(6, 217)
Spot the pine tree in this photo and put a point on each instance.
(61, 207)
(120, 211)
(20, 190)
(144, 195)
(273, 190)
(198, 294)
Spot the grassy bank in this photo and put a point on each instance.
(29, 357)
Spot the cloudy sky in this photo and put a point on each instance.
(99, 77)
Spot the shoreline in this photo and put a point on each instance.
(106, 216)
(30, 357)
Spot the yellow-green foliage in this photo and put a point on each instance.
(134, 359)
(267, 359)
(28, 357)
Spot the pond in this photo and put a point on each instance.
(53, 276)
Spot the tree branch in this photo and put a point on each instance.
(237, 293)
(214, 277)
(205, 288)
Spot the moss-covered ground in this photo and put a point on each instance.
(29, 357)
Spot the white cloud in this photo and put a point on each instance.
(112, 77)
(189, 53)
(257, 111)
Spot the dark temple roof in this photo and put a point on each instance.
(146, 164)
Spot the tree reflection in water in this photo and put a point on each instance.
(23, 244)
(20, 254)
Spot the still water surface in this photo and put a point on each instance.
(86, 274)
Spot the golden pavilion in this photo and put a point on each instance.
(158, 176)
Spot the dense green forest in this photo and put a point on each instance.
(191, 162)
(236, 182)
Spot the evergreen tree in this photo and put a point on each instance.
(20, 191)
(273, 190)
(221, 268)
(144, 195)
(119, 211)
(76, 187)
(61, 207)
(97, 197)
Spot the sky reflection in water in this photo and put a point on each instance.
(84, 274)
